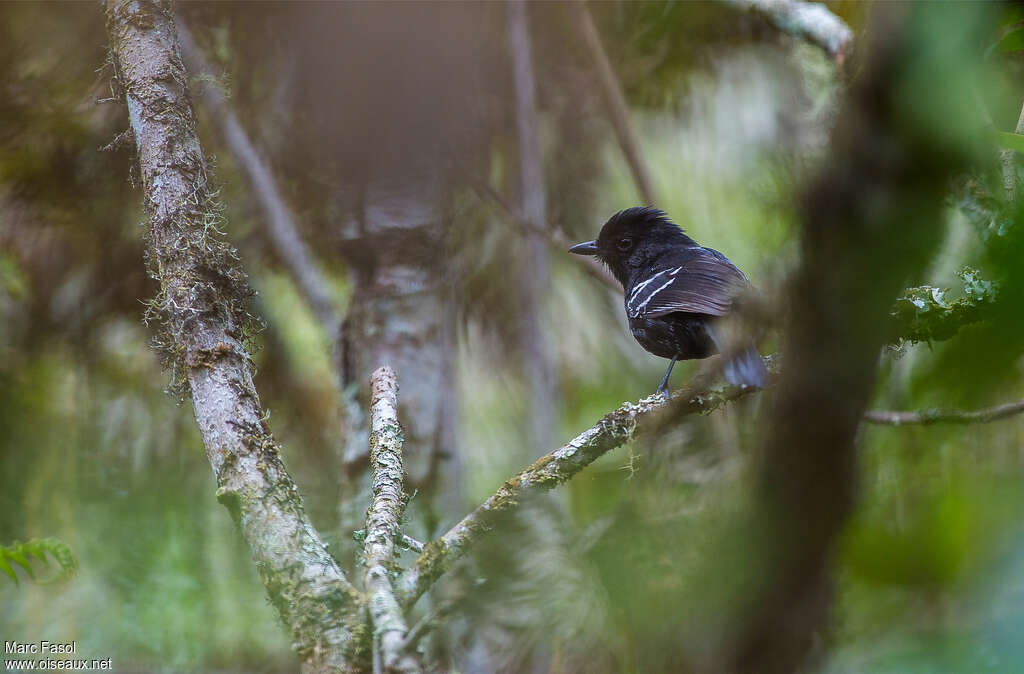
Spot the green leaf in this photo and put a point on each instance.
(17, 554)
(1011, 42)
(6, 568)
(1011, 141)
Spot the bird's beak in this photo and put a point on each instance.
(585, 248)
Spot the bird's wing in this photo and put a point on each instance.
(702, 282)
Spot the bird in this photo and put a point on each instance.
(676, 292)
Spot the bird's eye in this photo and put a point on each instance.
(625, 244)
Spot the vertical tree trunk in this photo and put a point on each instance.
(401, 315)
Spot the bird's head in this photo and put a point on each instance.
(633, 239)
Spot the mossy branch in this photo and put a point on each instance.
(203, 321)
(614, 429)
(939, 321)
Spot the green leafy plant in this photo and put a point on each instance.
(20, 553)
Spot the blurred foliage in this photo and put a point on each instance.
(603, 576)
(20, 553)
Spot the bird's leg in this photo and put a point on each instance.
(663, 386)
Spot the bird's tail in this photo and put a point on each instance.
(746, 368)
(743, 367)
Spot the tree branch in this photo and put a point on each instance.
(936, 416)
(383, 520)
(538, 360)
(810, 21)
(279, 223)
(203, 319)
(555, 237)
(549, 471)
(618, 109)
(618, 427)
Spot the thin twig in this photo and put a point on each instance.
(427, 623)
(618, 109)
(554, 235)
(383, 519)
(810, 21)
(937, 416)
(412, 543)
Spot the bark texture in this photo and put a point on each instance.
(400, 312)
(383, 519)
(202, 322)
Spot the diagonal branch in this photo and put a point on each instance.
(936, 416)
(811, 21)
(281, 227)
(549, 471)
(201, 307)
(618, 109)
(383, 519)
(554, 236)
(613, 430)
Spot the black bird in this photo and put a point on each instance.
(675, 292)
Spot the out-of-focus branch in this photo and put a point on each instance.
(1008, 158)
(929, 417)
(618, 109)
(810, 21)
(881, 182)
(549, 471)
(383, 519)
(279, 222)
(202, 323)
(427, 623)
(554, 236)
(538, 359)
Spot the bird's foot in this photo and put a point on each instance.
(663, 391)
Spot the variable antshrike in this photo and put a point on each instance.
(676, 292)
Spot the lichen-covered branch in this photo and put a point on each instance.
(937, 416)
(811, 21)
(618, 109)
(383, 519)
(547, 472)
(201, 310)
(943, 322)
